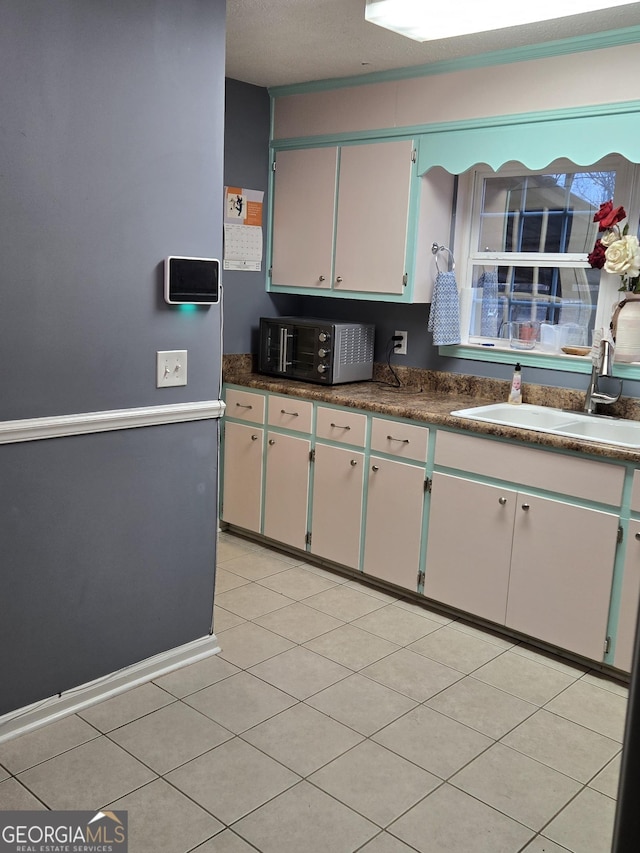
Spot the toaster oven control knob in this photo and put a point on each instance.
(322, 368)
(322, 337)
(323, 353)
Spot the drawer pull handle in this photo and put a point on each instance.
(339, 279)
(375, 467)
(354, 463)
(272, 441)
(403, 440)
(293, 414)
(254, 438)
(502, 501)
(337, 426)
(638, 536)
(244, 406)
(526, 507)
(320, 278)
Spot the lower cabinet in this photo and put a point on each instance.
(395, 498)
(561, 573)
(338, 490)
(469, 545)
(286, 488)
(242, 460)
(540, 566)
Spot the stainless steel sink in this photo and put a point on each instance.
(607, 430)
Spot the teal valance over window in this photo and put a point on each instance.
(582, 135)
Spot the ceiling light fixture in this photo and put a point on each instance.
(424, 21)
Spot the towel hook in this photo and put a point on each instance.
(436, 249)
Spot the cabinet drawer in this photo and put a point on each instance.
(341, 425)
(245, 406)
(408, 441)
(289, 413)
(569, 475)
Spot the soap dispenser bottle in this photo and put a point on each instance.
(515, 394)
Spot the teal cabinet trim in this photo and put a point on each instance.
(534, 139)
(561, 47)
(381, 134)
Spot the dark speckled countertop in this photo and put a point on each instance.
(431, 396)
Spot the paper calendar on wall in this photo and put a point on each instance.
(242, 229)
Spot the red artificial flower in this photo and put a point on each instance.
(596, 258)
(608, 215)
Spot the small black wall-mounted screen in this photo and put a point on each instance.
(191, 280)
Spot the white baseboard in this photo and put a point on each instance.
(34, 716)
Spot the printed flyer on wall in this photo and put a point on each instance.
(242, 229)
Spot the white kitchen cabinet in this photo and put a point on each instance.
(303, 211)
(395, 502)
(242, 461)
(561, 572)
(336, 520)
(395, 498)
(286, 488)
(469, 545)
(542, 566)
(520, 536)
(340, 219)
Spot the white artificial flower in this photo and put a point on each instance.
(623, 257)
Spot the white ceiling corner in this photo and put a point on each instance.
(282, 42)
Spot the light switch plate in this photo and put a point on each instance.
(171, 368)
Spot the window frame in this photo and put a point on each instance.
(467, 231)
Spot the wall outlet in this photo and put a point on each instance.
(171, 368)
(400, 347)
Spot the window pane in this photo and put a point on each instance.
(542, 213)
(555, 295)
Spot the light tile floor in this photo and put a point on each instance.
(339, 718)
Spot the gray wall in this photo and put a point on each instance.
(111, 156)
(111, 147)
(246, 164)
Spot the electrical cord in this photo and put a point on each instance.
(397, 384)
(390, 348)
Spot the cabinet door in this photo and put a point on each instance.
(469, 546)
(373, 205)
(286, 488)
(395, 497)
(242, 485)
(303, 212)
(561, 573)
(336, 521)
(629, 598)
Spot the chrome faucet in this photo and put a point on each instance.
(594, 395)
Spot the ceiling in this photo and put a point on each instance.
(281, 42)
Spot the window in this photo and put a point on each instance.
(522, 248)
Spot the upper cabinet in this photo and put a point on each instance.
(340, 223)
(303, 213)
